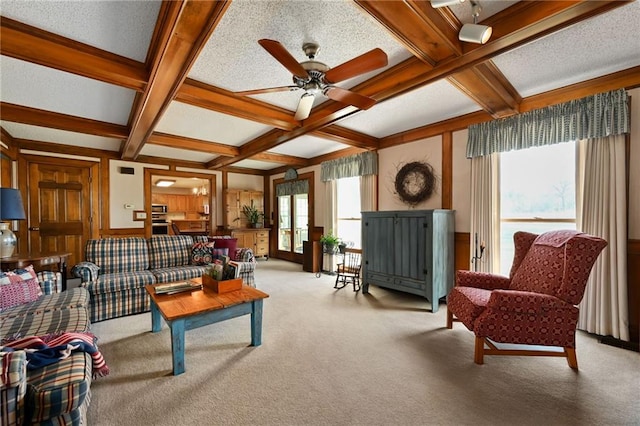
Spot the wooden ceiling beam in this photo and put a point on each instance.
(488, 87)
(185, 27)
(183, 142)
(289, 160)
(423, 30)
(55, 120)
(220, 100)
(27, 43)
(347, 137)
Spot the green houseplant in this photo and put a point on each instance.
(253, 215)
(330, 242)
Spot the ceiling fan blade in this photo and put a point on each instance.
(267, 90)
(348, 97)
(366, 62)
(283, 56)
(304, 106)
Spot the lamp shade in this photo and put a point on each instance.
(11, 207)
(475, 33)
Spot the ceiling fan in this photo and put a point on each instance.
(317, 78)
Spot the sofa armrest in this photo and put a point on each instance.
(13, 386)
(86, 271)
(481, 280)
(244, 255)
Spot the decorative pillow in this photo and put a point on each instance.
(217, 252)
(225, 242)
(202, 253)
(18, 287)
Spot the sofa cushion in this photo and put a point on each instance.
(114, 255)
(18, 287)
(225, 242)
(13, 387)
(40, 324)
(122, 281)
(202, 253)
(168, 275)
(72, 298)
(60, 387)
(166, 251)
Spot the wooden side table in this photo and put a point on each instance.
(40, 262)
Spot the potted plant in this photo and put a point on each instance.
(253, 215)
(330, 242)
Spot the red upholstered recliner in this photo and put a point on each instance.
(536, 304)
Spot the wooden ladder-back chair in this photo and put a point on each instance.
(536, 305)
(349, 269)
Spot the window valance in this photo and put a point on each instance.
(292, 187)
(596, 116)
(362, 164)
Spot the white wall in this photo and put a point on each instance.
(126, 189)
(390, 160)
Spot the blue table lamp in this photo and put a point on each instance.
(11, 208)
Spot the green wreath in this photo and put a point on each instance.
(415, 182)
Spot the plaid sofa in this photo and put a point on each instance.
(59, 393)
(116, 270)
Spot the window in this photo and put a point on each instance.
(349, 216)
(537, 194)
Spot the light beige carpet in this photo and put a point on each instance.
(335, 357)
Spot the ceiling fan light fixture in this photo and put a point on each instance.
(436, 4)
(475, 33)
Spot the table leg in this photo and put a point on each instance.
(63, 272)
(177, 346)
(256, 323)
(156, 325)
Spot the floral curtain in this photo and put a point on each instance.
(597, 116)
(292, 187)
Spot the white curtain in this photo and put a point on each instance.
(601, 209)
(368, 193)
(330, 218)
(485, 212)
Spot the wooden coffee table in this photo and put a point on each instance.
(189, 310)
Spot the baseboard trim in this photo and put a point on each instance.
(612, 341)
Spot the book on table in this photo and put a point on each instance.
(177, 287)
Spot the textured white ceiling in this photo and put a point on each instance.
(194, 122)
(43, 134)
(27, 84)
(183, 154)
(255, 164)
(234, 60)
(308, 146)
(432, 103)
(589, 49)
(121, 27)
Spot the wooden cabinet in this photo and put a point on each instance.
(256, 239)
(410, 251)
(198, 227)
(234, 200)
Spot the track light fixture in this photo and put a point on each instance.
(475, 33)
(442, 3)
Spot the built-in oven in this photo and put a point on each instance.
(159, 223)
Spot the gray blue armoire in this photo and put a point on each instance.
(410, 251)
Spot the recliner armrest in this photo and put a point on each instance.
(481, 280)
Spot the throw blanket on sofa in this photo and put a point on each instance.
(49, 349)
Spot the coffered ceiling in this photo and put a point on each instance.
(156, 80)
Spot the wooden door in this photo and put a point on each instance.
(59, 215)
